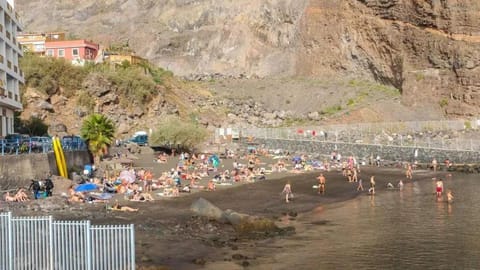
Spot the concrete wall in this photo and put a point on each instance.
(363, 151)
(18, 170)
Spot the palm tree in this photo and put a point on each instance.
(98, 131)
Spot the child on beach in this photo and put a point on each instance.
(287, 190)
(360, 185)
(400, 184)
(371, 190)
(439, 187)
(449, 196)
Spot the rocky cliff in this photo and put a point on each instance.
(428, 49)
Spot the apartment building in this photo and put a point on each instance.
(10, 74)
(35, 42)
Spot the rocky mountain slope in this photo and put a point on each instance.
(429, 50)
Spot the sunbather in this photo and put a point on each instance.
(123, 208)
(9, 198)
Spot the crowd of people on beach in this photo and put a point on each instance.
(204, 172)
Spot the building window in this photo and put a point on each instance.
(39, 48)
(75, 52)
(49, 52)
(61, 52)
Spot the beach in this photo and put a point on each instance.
(168, 234)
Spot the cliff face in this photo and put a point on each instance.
(429, 49)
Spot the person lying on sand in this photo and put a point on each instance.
(21, 195)
(9, 198)
(75, 196)
(123, 208)
(141, 197)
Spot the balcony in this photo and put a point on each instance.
(14, 40)
(1, 58)
(15, 69)
(9, 7)
(9, 64)
(10, 95)
(2, 92)
(8, 35)
(1, 28)
(21, 73)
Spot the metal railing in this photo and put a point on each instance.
(29, 146)
(44, 243)
(411, 134)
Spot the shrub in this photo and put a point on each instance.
(86, 100)
(468, 125)
(177, 132)
(34, 126)
(132, 83)
(48, 74)
(443, 102)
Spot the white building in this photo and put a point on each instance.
(10, 74)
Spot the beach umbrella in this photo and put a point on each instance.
(297, 159)
(127, 176)
(86, 187)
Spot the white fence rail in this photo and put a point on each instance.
(41, 243)
(411, 134)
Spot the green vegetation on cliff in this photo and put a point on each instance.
(132, 83)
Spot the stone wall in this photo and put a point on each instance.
(365, 151)
(18, 170)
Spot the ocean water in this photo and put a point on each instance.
(394, 229)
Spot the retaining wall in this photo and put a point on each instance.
(18, 170)
(365, 151)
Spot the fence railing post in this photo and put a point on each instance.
(89, 246)
(10, 240)
(132, 243)
(50, 242)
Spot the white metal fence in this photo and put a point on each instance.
(41, 243)
(412, 134)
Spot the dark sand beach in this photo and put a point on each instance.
(170, 236)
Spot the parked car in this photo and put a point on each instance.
(73, 142)
(15, 141)
(140, 138)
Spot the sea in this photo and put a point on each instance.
(394, 229)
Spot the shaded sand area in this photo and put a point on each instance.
(169, 235)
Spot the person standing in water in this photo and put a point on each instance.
(371, 190)
(439, 187)
(408, 172)
(400, 184)
(287, 190)
(434, 164)
(449, 196)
